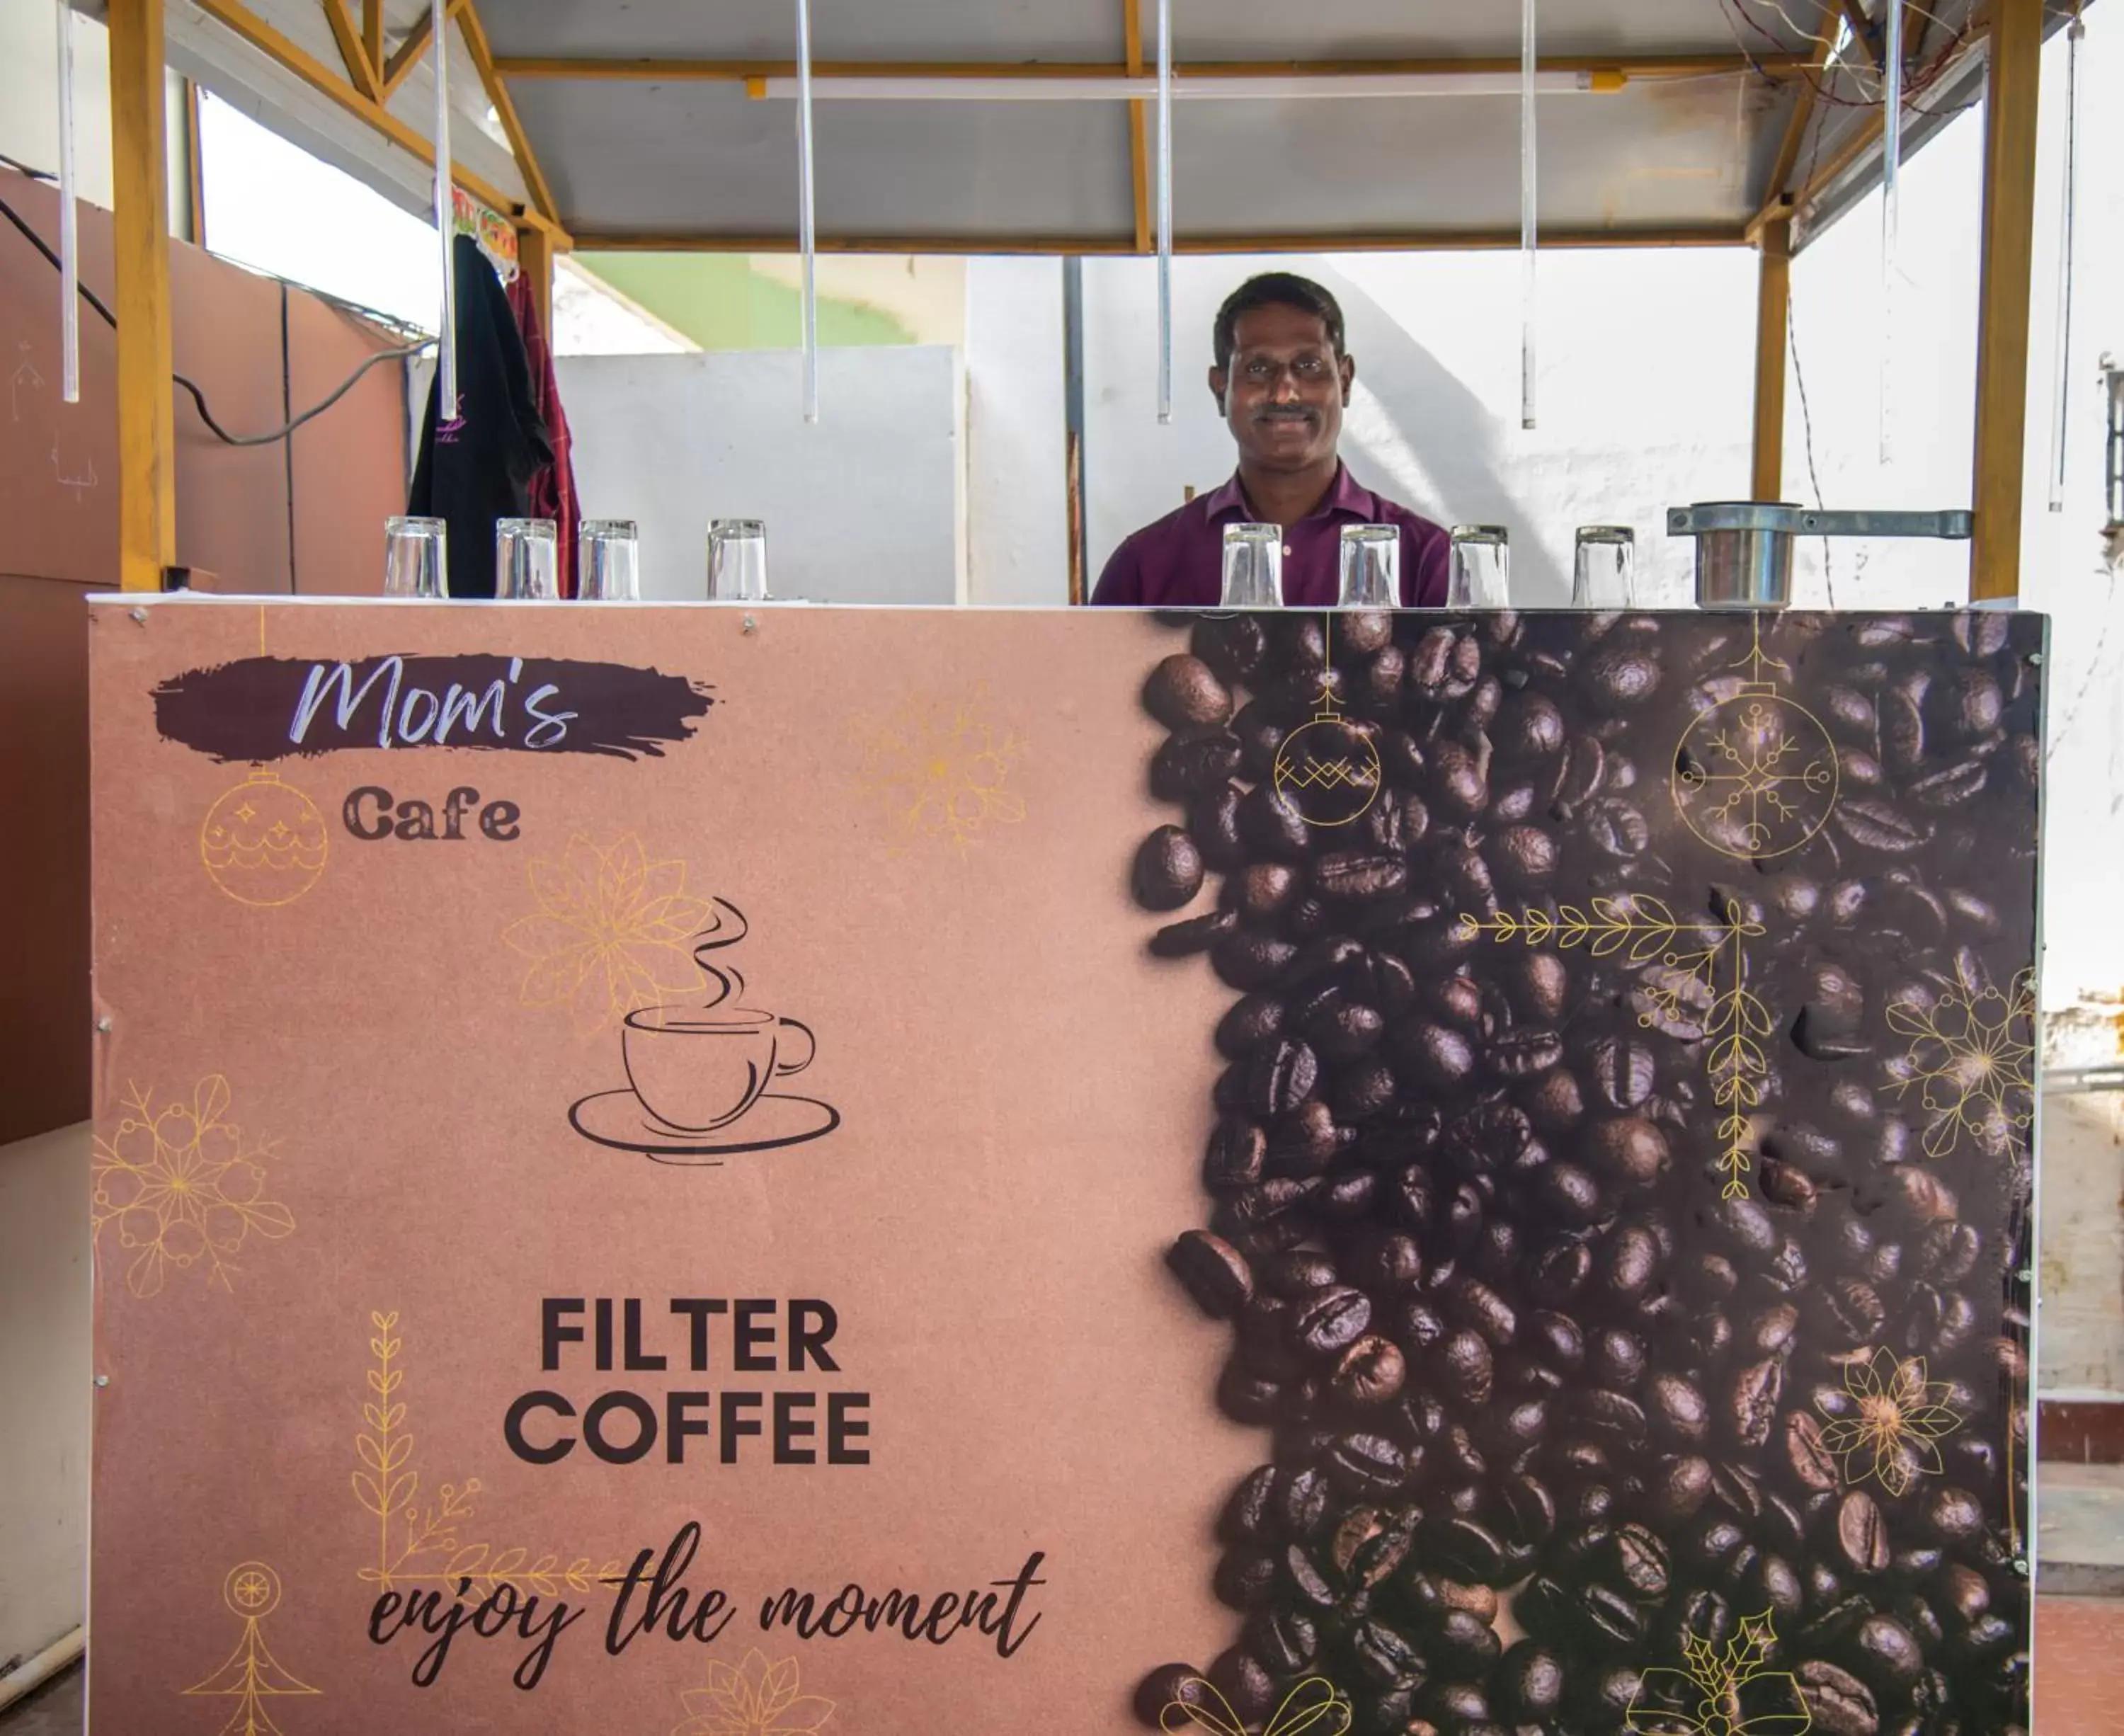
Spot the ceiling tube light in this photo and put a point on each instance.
(1193, 88)
(446, 224)
(1165, 210)
(806, 225)
(69, 226)
(1892, 157)
(1529, 81)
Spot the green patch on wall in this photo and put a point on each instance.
(721, 303)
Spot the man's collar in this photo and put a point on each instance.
(1345, 498)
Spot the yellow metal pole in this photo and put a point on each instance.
(2002, 318)
(147, 442)
(1772, 308)
(534, 259)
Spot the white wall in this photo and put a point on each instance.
(864, 505)
(1643, 393)
(29, 104)
(44, 1391)
(1016, 442)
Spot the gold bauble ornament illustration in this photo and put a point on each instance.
(1755, 776)
(1327, 768)
(264, 842)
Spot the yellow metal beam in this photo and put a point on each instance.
(497, 93)
(534, 260)
(372, 34)
(635, 241)
(407, 54)
(351, 48)
(2011, 96)
(1864, 137)
(321, 78)
(1804, 92)
(1772, 308)
(1138, 125)
(739, 72)
(147, 438)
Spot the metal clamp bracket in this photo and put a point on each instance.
(1688, 521)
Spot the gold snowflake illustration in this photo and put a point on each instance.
(183, 1187)
(940, 768)
(755, 1699)
(1733, 1694)
(612, 933)
(1972, 1061)
(1900, 1423)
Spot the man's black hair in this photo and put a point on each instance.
(1276, 289)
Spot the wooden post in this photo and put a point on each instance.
(146, 444)
(2002, 316)
(1773, 309)
(534, 259)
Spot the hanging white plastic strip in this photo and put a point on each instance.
(446, 222)
(807, 236)
(69, 230)
(1165, 210)
(1892, 163)
(1527, 218)
(2068, 223)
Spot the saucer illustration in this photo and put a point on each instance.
(618, 1119)
(698, 1076)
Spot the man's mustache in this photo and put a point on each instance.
(1286, 413)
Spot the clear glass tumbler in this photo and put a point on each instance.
(1253, 567)
(737, 561)
(1482, 566)
(1371, 566)
(1604, 575)
(527, 560)
(415, 557)
(607, 561)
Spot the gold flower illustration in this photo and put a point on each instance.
(1901, 1420)
(1971, 1060)
(1733, 1694)
(1312, 1708)
(183, 1187)
(939, 767)
(756, 1699)
(612, 934)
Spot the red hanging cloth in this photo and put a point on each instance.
(553, 486)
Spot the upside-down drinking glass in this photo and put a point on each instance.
(1253, 567)
(1482, 566)
(414, 563)
(527, 560)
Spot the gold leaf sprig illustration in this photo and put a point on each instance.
(1694, 972)
(1730, 1693)
(427, 1541)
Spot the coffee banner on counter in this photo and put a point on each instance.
(700, 1173)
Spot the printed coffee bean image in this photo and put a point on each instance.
(1615, 1147)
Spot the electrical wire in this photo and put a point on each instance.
(198, 396)
(1807, 427)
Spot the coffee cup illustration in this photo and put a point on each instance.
(699, 1069)
(698, 1075)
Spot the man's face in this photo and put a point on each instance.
(1284, 394)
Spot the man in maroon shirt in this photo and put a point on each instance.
(1282, 378)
